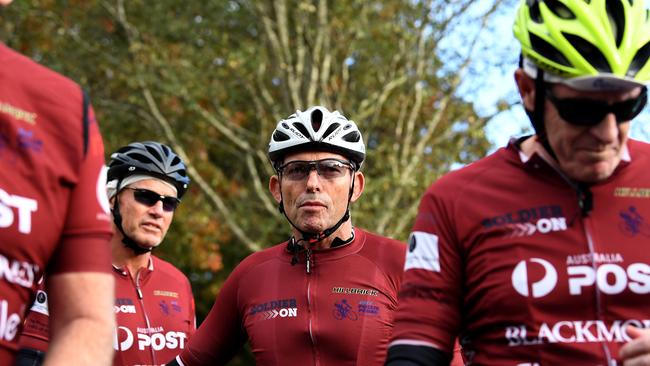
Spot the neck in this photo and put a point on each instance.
(124, 257)
(344, 232)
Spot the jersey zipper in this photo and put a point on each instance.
(144, 312)
(600, 314)
(310, 317)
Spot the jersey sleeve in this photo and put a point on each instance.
(85, 239)
(221, 334)
(430, 295)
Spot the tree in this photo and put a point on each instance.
(211, 78)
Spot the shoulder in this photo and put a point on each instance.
(23, 72)
(386, 253)
(162, 267)
(392, 246)
(260, 259)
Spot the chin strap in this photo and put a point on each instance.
(117, 219)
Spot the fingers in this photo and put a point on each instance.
(637, 351)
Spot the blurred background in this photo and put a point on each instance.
(428, 82)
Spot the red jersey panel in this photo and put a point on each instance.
(154, 311)
(53, 206)
(339, 314)
(502, 256)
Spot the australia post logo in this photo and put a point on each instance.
(16, 210)
(606, 271)
(155, 338)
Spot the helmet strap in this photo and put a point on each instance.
(117, 219)
(537, 117)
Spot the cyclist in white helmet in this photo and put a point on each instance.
(538, 254)
(325, 296)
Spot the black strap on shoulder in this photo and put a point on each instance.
(85, 120)
(408, 355)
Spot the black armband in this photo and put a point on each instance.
(409, 355)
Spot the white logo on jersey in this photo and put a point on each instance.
(541, 287)
(102, 197)
(573, 331)
(25, 208)
(19, 273)
(609, 278)
(157, 341)
(40, 304)
(423, 252)
(542, 226)
(8, 322)
(127, 309)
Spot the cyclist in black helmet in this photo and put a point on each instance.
(154, 306)
(327, 295)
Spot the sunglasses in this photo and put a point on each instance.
(150, 198)
(590, 112)
(329, 169)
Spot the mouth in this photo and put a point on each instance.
(312, 204)
(151, 226)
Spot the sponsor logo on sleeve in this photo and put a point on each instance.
(423, 252)
(102, 197)
(40, 304)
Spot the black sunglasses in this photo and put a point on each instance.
(590, 112)
(150, 198)
(298, 170)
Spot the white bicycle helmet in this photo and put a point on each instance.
(317, 129)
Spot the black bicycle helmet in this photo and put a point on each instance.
(150, 158)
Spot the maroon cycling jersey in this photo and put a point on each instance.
(339, 314)
(53, 206)
(502, 254)
(154, 310)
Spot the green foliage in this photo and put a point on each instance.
(213, 77)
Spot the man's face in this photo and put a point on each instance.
(587, 154)
(147, 225)
(315, 203)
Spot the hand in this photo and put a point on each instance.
(637, 351)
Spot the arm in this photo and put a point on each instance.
(82, 321)
(221, 334)
(637, 351)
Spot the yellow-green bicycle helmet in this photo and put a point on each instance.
(587, 44)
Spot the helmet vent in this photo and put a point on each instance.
(559, 9)
(616, 19)
(302, 129)
(548, 50)
(331, 129)
(155, 153)
(639, 60)
(141, 158)
(353, 136)
(280, 136)
(589, 52)
(535, 14)
(316, 119)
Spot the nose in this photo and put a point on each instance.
(157, 209)
(313, 181)
(607, 130)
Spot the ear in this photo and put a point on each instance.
(526, 86)
(274, 187)
(359, 183)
